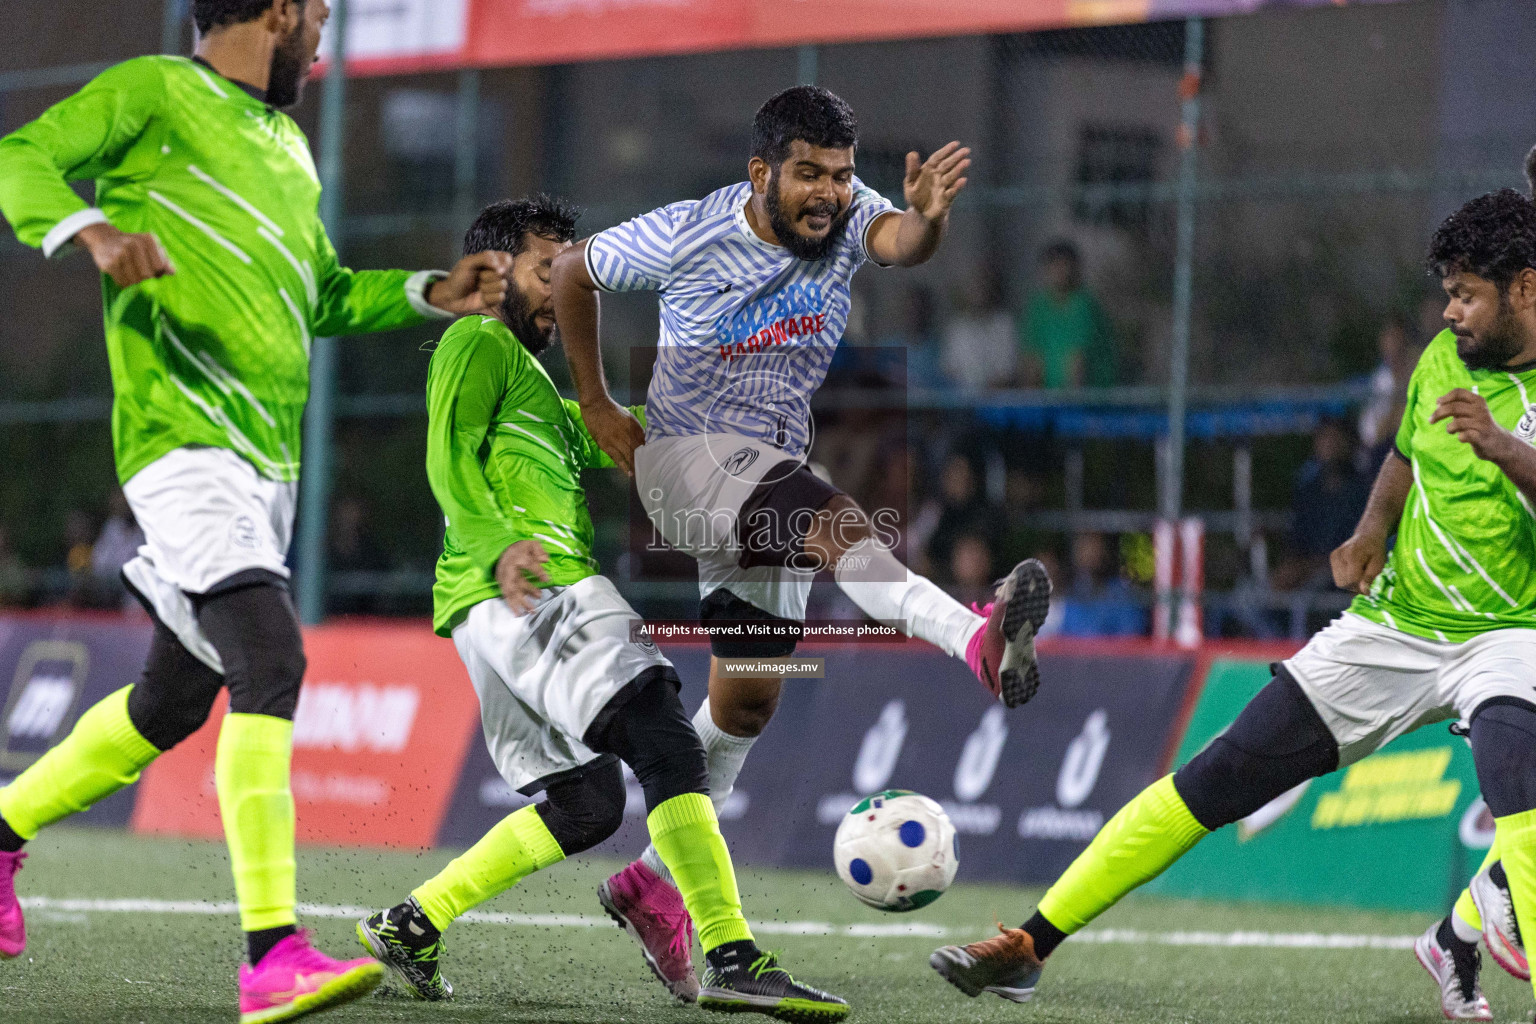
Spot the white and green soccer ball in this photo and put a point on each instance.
(896, 850)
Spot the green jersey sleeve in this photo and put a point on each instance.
(465, 383)
(360, 301)
(589, 455)
(82, 136)
(1405, 428)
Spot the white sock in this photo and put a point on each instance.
(914, 604)
(1464, 931)
(725, 754)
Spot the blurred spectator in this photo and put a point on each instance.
(15, 580)
(1329, 496)
(1052, 624)
(970, 569)
(918, 335)
(352, 549)
(1389, 393)
(958, 509)
(978, 347)
(1064, 339)
(116, 544)
(1099, 601)
(79, 539)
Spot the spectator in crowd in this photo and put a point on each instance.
(116, 544)
(970, 569)
(79, 539)
(1099, 600)
(1064, 338)
(978, 347)
(15, 580)
(959, 508)
(1326, 503)
(917, 335)
(1389, 392)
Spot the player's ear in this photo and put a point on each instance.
(1522, 290)
(758, 172)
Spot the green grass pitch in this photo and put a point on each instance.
(113, 966)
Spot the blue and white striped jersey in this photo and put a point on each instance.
(747, 329)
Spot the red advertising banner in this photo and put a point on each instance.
(385, 719)
(392, 36)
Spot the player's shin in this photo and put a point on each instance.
(1139, 843)
(251, 768)
(686, 835)
(876, 581)
(1465, 918)
(515, 848)
(102, 754)
(724, 756)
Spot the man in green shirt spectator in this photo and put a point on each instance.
(1064, 339)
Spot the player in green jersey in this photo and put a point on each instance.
(1443, 627)
(568, 683)
(217, 273)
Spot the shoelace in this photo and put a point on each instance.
(307, 957)
(1004, 944)
(1512, 923)
(681, 927)
(767, 962)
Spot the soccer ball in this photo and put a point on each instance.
(896, 850)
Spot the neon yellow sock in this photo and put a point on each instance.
(515, 848)
(1465, 908)
(1516, 839)
(250, 772)
(102, 754)
(686, 834)
(1138, 844)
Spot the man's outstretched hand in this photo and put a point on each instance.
(615, 430)
(932, 185)
(126, 259)
(519, 571)
(477, 284)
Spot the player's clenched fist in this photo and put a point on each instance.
(1357, 562)
(126, 259)
(519, 571)
(1473, 424)
(477, 284)
(615, 430)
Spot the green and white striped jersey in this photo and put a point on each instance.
(218, 353)
(1465, 558)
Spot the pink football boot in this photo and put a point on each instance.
(295, 979)
(652, 911)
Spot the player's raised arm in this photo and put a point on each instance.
(80, 137)
(613, 427)
(912, 237)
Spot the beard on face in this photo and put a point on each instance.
(289, 69)
(1499, 344)
(520, 316)
(808, 249)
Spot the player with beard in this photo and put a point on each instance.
(567, 687)
(1444, 626)
(754, 285)
(217, 273)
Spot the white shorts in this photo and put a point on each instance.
(543, 677)
(206, 515)
(1371, 684)
(693, 488)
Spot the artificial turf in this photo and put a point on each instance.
(151, 966)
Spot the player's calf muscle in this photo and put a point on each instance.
(742, 705)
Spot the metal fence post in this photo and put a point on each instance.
(174, 14)
(809, 59)
(466, 149)
(314, 498)
(1178, 371)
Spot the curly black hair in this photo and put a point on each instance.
(210, 14)
(506, 224)
(808, 113)
(1493, 236)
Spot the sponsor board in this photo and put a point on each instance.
(51, 670)
(1403, 828)
(380, 735)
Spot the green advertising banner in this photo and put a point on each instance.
(1403, 829)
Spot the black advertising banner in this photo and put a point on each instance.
(51, 670)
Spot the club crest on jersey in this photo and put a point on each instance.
(1525, 430)
(738, 461)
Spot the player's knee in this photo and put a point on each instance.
(839, 525)
(649, 730)
(582, 812)
(256, 632)
(1504, 749)
(165, 723)
(737, 627)
(174, 696)
(1277, 743)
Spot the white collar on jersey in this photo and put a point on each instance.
(745, 227)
